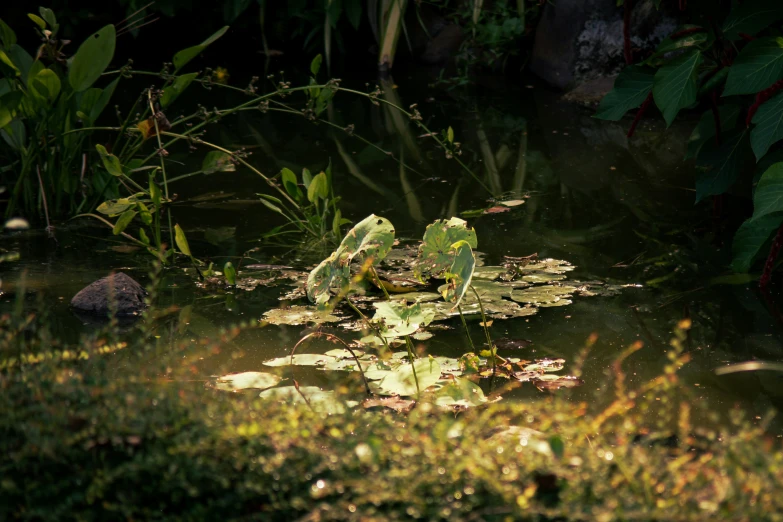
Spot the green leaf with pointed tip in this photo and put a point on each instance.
(371, 238)
(460, 275)
(49, 18)
(330, 273)
(143, 237)
(769, 126)
(230, 273)
(179, 85)
(402, 380)
(631, 88)
(184, 56)
(9, 103)
(290, 184)
(114, 207)
(315, 65)
(307, 178)
(724, 164)
(751, 17)
(92, 58)
(319, 188)
(751, 236)
(110, 162)
(435, 253)
(7, 35)
(768, 197)
(144, 213)
(757, 66)
(676, 84)
(123, 221)
(37, 20)
(181, 240)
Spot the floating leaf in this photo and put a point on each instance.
(319, 400)
(460, 393)
(397, 404)
(246, 380)
(401, 381)
(92, 58)
(300, 359)
(400, 319)
(296, 315)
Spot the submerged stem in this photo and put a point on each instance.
(465, 326)
(486, 331)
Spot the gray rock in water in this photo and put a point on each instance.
(117, 293)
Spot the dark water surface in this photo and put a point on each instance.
(620, 212)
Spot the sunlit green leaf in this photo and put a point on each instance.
(123, 221)
(247, 380)
(319, 188)
(290, 184)
(401, 381)
(435, 253)
(181, 240)
(295, 315)
(92, 58)
(460, 274)
(230, 273)
(315, 65)
(115, 206)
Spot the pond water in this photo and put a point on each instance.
(620, 210)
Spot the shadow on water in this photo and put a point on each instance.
(621, 212)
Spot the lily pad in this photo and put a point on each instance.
(460, 393)
(301, 359)
(319, 400)
(246, 380)
(401, 381)
(399, 319)
(296, 315)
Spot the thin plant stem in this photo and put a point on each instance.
(409, 346)
(162, 168)
(486, 331)
(465, 326)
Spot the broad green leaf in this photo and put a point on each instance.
(400, 319)
(758, 65)
(9, 103)
(110, 162)
(181, 240)
(315, 65)
(401, 380)
(371, 238)
(295, 315)
(676, 84)
(353, 11)
(290, 184)
(230, 273)
(705, 129)
(247, 380)
(87, 101)
(123, 221)
(751, 17)
(15, 134)
(49, 18)
(92, 58)
(300, 359)
(114, 207)
(631, 88)
(103, 100)
(460, 275)
(336, 222)
(22, 60)
(769, 126)
(7, 35)
(751, 236)
(330, 273)
(319, 188)
(768, 197)
(173, 91)
(725, 163)
(326, 402)
(435, 253)
(460, 393)
(217, 161)
(184, 56)
(47, 85)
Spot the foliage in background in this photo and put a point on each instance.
(735, 69)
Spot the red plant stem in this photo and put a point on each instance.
(769, 265)
(686, 32)
(639, 114)
(627, 51)
(716, 115)
(746, 37)
(762, 97)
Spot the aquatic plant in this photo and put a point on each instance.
(735, 69)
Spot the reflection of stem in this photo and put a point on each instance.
(486, 330)
(465, 326)
(521, 171)
(414, 208)
(489, 161)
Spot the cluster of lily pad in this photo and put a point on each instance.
(397, 293)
